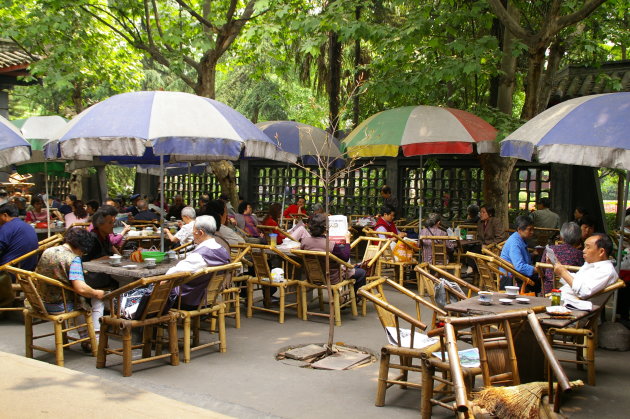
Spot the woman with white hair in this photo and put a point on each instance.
(207, 253)
(185, 233)
(432, 227)
(567, 253)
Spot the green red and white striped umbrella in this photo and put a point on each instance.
(419, 130)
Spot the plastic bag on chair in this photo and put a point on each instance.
(402, 252)
(440, 292)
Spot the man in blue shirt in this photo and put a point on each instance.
(515, 250)
(16, 239)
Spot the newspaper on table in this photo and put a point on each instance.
(420, 340)
(337, 228)
(468, 358)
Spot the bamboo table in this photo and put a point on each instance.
(531, 361)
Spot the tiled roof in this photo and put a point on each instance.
(576, 81)
(12, 57)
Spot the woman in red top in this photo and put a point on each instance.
(39, 214)
(272, 217)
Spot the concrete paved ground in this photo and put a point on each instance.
(247, 381)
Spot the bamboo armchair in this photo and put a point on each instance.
(582, 338)
(262, 279)
(393, 318)
(388, 259)
(440, 254)
(371, 260)
(430, 275)
(493, 337)
(314, 263)
(191, 319)
(489, 274)
(15, 287)
(505, 268)
(153, 315)
(62, 322)
(266, 230)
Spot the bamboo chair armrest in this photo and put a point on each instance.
(183, 246)
(364, 238)
(212, 269)
(39, 277)
(378, 254)
(550, 266)
(239, 257)
(394, 310)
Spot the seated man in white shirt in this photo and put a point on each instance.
(185, 233)
(207, 253)
(596, 274)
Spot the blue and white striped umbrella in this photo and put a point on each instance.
(13, 147)
(586, 131)
(180, 125)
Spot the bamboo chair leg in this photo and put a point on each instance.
(195, 323)
(102, 346)
(405, 361)
(281, 308)
(427, 391)
(91, 333)
(237, 311)
(337, 307)
(186, 326)
(590, 358)
(126, 342)
(222, 339)
(250, 299)
(320, 295)
(383, 373)
(159, 341)
(172, 341)
(59, 343)
(304, 299)
(28, 334)
(353, 301)
(147, 334)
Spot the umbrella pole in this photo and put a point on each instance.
(620, 247)
(284, 186)
(161, 203)
(47, 205)
(190, 194)
(420, 196)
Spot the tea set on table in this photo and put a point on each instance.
(511, 292)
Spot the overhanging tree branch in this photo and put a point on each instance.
(205, 22)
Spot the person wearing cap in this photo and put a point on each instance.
(543, 217)
(133, 208)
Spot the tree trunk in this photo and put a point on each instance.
(357, 74)
(508, 66)
(533, 84)
(206, 78)
(334, 81)
(496, 178)
(226, 175)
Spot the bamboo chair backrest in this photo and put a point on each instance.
(503, 267)
(488, 277)
(390, 315)
(217, 276)
(492, 336)
(439, 250)
(158, 298)
(80, 225)
(314, 265)
(30, 283)
(545, 236)
(261, 266)
(495, 248)
(423, 269)
(374, 249)
(266, 230)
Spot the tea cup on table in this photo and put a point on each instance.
(150, 262)
(485, 297)
(115, 260)
(511, 291)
